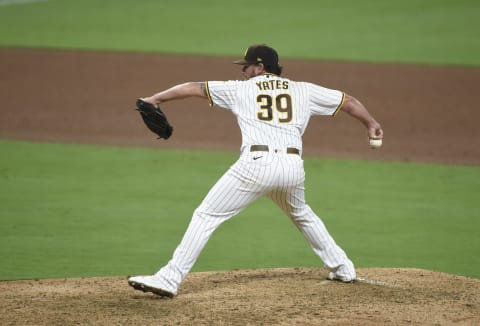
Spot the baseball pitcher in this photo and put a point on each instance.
(272, 113)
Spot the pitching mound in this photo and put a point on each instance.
(286, 296)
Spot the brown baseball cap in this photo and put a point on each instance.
(259, 53)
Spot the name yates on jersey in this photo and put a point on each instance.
(271, 85)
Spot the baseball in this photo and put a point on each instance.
(375, 143)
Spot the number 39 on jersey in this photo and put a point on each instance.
(277, 107)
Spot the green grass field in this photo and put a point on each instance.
(71, 211)
(408, 31)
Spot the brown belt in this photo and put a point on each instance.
(264, 148)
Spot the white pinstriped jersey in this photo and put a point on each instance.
(272, 110)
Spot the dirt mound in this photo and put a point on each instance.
(286, 296)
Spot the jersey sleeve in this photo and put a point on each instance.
(325, 101)
(222, 93)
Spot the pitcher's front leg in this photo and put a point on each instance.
(228, 197)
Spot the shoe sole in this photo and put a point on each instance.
(145, 288)
(341, 281)
(336, 279)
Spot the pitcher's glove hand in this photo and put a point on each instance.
(155, 119)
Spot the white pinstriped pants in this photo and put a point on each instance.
(279, 176)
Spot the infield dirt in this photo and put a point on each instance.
(430, 114)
